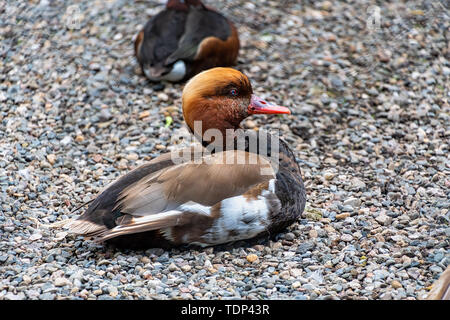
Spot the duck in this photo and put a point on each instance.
(234, 185)
(184, 39)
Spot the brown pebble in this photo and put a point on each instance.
(51, 158)
(144, 114)
(342, 216)
(160, 147)
(79, 138)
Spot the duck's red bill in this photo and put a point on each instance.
(260, 106)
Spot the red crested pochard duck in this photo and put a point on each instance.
(184, 39)
(200, 199)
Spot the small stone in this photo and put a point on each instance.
(325, 220)
(421, 134)
(296, 272)
(35, 236)
(61, 282)
(79, 138)
(162, 96)
(342, 216)
(252, 258)
(358, 183)
(313, 233)
(123, 164)
(396, 285)
(103, 262)
(113, 292)
(172, 267)
(145, 260)
(97, 158)
(51, 158)
(144, 114)
(346, 237)
(66, 140)
(60, 235)
(250, 124)
(354, 202)
(329, 176)
(312, 214)
(383, 219)
(132, 156)
(289, 236)
(384, 55)
(26, 279)
(186, 268)
(97, 292)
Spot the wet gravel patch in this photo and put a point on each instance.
(369, 88)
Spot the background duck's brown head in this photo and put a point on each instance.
(221, 98)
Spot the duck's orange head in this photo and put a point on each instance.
(220, 98)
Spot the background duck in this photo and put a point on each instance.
(184, 39)
(166, 203)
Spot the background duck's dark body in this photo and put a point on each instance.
(177, 33)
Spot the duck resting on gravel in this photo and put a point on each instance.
(241, 184)
(184, 39)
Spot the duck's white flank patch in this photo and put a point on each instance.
(240, 219)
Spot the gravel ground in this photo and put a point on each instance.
(370, 91)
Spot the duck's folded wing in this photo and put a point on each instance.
(201, 25)
(102, 211)
(171, 196)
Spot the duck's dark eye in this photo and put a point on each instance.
(233, 92)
